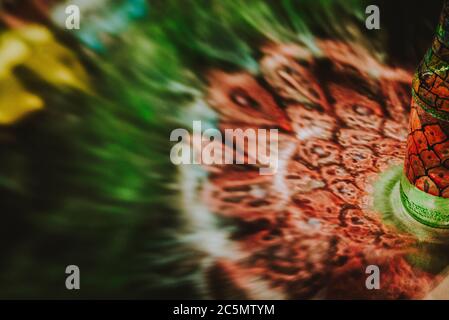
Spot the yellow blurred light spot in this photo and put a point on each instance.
(34, 48)
(64, 75)
(35, 34)
(12, 52)
(16, 102)
(57, 65)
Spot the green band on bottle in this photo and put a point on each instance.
(442, 115)
(428, 209)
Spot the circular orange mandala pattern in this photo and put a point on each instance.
(310, 230)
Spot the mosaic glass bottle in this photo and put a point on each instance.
(425, 182)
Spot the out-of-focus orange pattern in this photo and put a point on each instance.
(309, 231)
